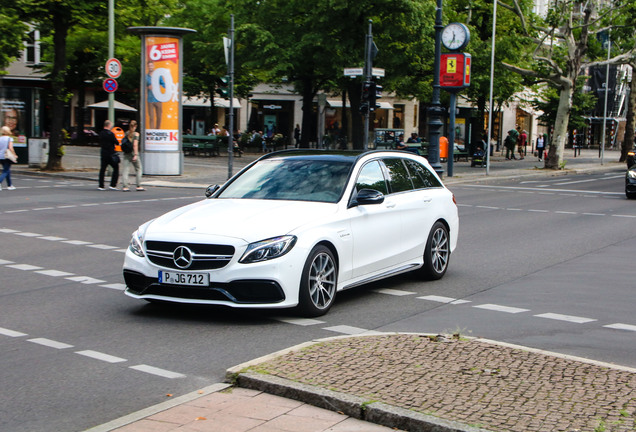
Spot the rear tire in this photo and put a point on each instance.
(318, 283)
(437, 253)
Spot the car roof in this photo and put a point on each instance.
(318, 154)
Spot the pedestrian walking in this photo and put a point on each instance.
(132, 159)
(297, 135)
(109, 156)
(540, 147)
(522, 141)
(509, 143)
(6, 144)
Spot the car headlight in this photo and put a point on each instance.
(268, 249)
(631, 174)
(137, 240)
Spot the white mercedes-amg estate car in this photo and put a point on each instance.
(296, 227)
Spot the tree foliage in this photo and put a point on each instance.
(567, 43)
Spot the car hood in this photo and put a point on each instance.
(247, 219)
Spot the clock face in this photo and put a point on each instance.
(455, 36)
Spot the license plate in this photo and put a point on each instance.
(176, 278)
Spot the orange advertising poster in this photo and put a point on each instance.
(162, 93)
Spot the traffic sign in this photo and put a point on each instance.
(110, 85)
(353, 71)
(113, 68)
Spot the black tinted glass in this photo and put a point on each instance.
(421, 176)
(399, 179)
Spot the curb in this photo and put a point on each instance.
(364, 409)
(147, 412)
(352, 406)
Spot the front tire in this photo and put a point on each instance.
(318, 283)
(437, 253)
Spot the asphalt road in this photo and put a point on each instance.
(539, 263)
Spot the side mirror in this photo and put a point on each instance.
(368, 196)
(211, 190)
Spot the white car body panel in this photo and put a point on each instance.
(370, 241)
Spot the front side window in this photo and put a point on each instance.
(399, 178)
(371, 177)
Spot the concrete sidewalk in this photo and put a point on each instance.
(382, 382)
(405, 382)
(200, 172)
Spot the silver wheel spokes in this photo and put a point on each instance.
(322, 281)
(439, 250)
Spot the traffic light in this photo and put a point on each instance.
(223, 87)
(377, 94)
(366, 91)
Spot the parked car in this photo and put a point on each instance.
(294, 228)
(630, 182)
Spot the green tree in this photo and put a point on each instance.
(286, 41)
(509, 43)
(566, 43)
(58, 16)
(11, 37)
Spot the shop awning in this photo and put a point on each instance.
(117, 105)
(338, 104)
(189, 101)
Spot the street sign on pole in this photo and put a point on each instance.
(378, 72)
(353, 72)
(113, 68)
(110, 85)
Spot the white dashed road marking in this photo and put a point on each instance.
(568, 318)
(54, 273)
(394, 292)
(619, 326)
(11, 333)
(26, 267)
(345, 329)
(499, 308)
(50, 343)
(156, 371)
(101, 356)
(299, 321)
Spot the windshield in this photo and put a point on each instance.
(296, 179)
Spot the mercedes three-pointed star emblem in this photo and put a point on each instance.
(182, 257)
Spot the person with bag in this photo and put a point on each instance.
(7, 157)
(109, 156)
(130, 147)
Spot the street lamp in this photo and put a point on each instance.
(435, 110)
(492, 77)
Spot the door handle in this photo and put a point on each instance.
(390, 205)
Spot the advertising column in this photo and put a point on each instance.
(161, 74)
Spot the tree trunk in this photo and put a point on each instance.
(628, 140)
(58, 89)
(308, 112)
(559, 137)
(344, 124)
(357, 120)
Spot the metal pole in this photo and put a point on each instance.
(492, 78)
(230, 138)
(368, 66)
(607, 68)
(435, 110)
(451, 133)
(111, 54)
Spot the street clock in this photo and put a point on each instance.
(455, 36)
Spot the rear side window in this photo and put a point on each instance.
(399, 177)
(421, 176)
(371, 177)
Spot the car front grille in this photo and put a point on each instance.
(204, 256)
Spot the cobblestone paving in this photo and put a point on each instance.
(471, 381)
